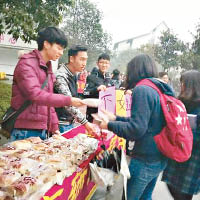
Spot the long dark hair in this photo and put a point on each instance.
(140, 67)
(190, 89)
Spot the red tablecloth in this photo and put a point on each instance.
(78, 186)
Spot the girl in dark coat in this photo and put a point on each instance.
(183, 179)
(146, 120)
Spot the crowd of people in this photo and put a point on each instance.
(54, 109)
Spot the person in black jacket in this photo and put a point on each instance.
(97, 81)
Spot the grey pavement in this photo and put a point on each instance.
(161, 192)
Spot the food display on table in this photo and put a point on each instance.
(30, 167)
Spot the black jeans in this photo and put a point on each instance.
(178, 195)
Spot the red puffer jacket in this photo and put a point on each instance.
(29, 75)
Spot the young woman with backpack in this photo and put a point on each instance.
(183, 179)
(146, 121)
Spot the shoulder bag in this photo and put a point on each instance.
(10, 116)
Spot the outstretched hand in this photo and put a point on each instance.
(77, 102)
(104, 123)
(101, 88)
(90, 128)
(109, 115)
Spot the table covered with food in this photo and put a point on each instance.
(55, 168)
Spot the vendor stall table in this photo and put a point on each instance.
(78, 186)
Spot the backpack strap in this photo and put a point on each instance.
(150, 84)
(165, 100)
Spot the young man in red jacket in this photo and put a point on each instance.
(30, 73)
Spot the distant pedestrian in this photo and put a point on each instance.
(116, 79)
(81, 82)
(164, 76)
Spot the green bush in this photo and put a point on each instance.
(5, 97)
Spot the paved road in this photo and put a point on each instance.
(161, 192)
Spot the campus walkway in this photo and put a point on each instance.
(161, 192)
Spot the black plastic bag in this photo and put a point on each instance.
(8, 121)
(110, 160)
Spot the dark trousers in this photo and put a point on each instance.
(178, 195)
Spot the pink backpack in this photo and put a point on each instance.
(176, 139)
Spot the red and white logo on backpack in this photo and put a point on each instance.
(176, 139)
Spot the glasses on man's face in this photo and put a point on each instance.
(104, 62)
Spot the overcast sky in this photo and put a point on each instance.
(125, 19)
